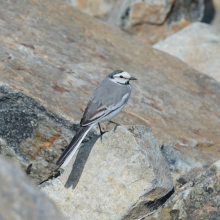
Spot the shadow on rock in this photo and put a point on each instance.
(209, 12)
(79, 163)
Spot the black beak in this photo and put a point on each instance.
(132, 78)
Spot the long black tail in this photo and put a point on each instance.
(73, 146)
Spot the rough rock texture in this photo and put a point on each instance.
(199, 199)
(31, 134)
(198, 45)
(124, 177)
(20, 198)
(57, 55)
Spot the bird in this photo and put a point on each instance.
(108, 99)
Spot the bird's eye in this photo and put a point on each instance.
(121, 76)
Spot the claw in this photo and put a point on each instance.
(116, 125)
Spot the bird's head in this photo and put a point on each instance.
(121, 77)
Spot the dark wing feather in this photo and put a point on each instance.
(98, 113)
(78, 137)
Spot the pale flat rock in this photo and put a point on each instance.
(123, 177)
(20, 199)
(197, 45)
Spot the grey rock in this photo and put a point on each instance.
(20, 199)
(197, 45)
(123, 177)
(186, 10)
(198, 199)
(183, 167)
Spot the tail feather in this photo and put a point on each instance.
(73, 146)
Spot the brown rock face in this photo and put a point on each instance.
(57, 56)
(149, 21)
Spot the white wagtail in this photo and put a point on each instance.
(107, 101)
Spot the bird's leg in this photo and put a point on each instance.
(101, 132)
(116, 125)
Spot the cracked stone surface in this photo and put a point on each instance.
(54, 56)
(123, 177)
(20, 198)
(198, 199)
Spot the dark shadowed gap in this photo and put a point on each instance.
(209, 12)
(153, 205)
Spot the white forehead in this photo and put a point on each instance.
(124, 74)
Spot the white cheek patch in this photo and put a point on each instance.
(121, 80)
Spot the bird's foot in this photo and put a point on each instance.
(101, 132)
(116, 125)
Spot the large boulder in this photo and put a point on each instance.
(20, 198)
(198, 45)
(147, 20)
(199, 199)
(123, 177)
(151, 21)
(53, 56)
